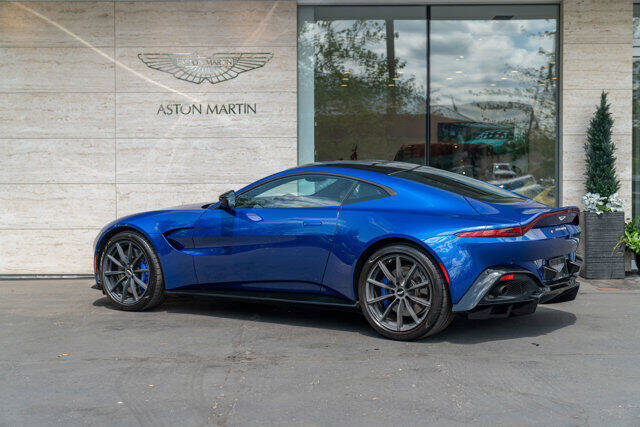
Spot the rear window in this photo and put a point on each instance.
(363, 192)
(459, 184)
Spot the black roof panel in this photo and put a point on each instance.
(381, 166)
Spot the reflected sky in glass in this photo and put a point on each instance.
(493, 90)
(508, 61)
(494, 102)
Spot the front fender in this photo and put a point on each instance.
(177, 267)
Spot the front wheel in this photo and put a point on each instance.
(130, 272)
(403, 294)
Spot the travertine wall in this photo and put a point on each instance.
(597, 43)
(81, 142)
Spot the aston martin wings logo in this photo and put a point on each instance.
(194, 68)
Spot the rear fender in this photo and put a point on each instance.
(465, 258)
(335, 269)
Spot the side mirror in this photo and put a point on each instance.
(228, 199)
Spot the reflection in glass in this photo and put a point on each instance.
(370, 78)
(493, 98)
(636, 110)
(491, 81)
(297, 192)
(636, 25)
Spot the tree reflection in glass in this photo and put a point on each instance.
(370, 87)
(636, 111)
(493, 102)
(493, 90)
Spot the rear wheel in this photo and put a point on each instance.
(130, 272)
(403, 294)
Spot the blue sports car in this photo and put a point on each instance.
(408, 245)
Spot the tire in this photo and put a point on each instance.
(122, 272)
(423, 295)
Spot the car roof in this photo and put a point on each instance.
(381, 166)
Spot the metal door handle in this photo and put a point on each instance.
(311, 223)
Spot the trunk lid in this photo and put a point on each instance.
(525, 212)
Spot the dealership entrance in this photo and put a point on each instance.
(470, 89)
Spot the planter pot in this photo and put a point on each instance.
(637, 262)
(629, 264)
(600, 234)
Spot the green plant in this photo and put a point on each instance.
(631, 236)
(600, 160)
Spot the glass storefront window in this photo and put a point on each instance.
(494, 96)
(365, 75)
(636, 111)
(369, 69)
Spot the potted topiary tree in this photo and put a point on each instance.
(602, 219)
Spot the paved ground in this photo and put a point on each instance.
(66, 357)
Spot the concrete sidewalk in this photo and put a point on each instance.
(631, 283)
(67, 357)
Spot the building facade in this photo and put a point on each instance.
(110, 108)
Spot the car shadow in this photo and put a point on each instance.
(544, 321)
(299, 315)
(461, 331)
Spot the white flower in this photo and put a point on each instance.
(593, 202)
(615, 203)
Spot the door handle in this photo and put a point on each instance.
(311, 223)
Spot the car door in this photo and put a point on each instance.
(278, 236)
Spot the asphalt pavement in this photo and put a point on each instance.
(68, 357)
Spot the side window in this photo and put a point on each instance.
(363, 192)
(297, 191)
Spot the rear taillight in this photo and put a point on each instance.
(493, 232)
(514, 231)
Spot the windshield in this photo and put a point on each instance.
(459, 184)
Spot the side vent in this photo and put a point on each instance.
(177, 245)
(180, 238)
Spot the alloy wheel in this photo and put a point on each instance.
(398, 293)
(125, 272)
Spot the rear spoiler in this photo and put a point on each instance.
(556, 217)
